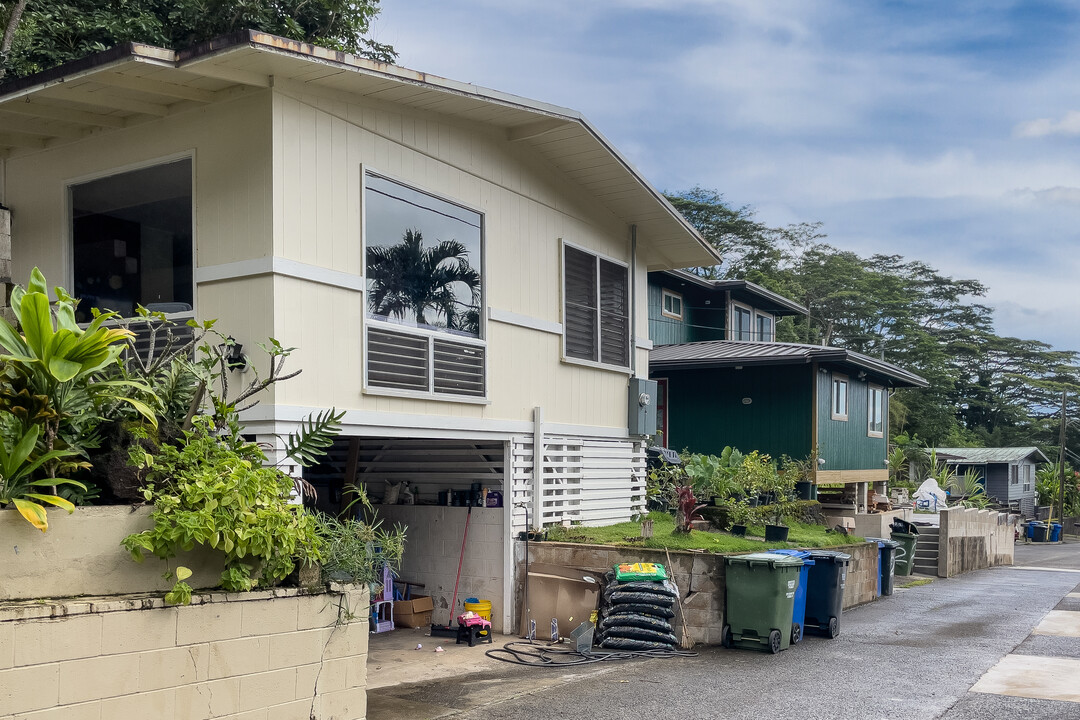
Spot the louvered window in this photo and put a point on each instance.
(596, 312)
(423, 363)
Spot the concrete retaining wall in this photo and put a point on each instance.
(971, 539)
(700, 577)
(272, 655)
(877, 524)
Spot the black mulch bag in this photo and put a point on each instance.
(620, 643)
(645, 622)
(664, 589)
(620, 597)
(635, 633)
(632, 609)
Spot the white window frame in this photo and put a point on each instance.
(734, 334)
(623, 369)
(664, 295)
(871, 390)
(839, 378)
(772, 326)
(69, 209)
(1029, 475)
(365, 320)
(1014, 475)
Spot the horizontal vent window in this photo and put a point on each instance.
(403, 361)
(459, 369)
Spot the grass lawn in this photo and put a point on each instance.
(665, 537)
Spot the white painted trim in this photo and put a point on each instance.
(420, 395)
(509, 568)
(597, 365)
(833, 379)
(664, 294)
(772, 325)
(643, 343)
(870, 432)
(733, 333)
(279, 266)
(526, 321)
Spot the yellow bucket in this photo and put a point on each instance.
(481, 608)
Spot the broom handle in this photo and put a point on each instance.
(464, 537)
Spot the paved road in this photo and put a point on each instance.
(916, 654)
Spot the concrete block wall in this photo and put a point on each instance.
(433, 546)
(264, 655)
(971, 539)
(700, 577)
(877, 524)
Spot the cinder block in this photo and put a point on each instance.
(157, 704)
(355, 671)
(297, 648)
(307, 676)
(173, 666)
(210, 699)
(317, 611)
(297, 710)
(231, 658)
(138, 630)
(268, 617)
(7, 645)
(257, 714)
(207, 623)
(29, 688)
(348, 704)
(82, 711)
(269, 688)
(348, 640)
(98, 677)
(53, 640)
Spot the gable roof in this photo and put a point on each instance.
(136, 83)
(979, 456)
(732, 353)
(760, 297)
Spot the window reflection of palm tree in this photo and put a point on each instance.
(409, 278)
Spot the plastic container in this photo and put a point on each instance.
(905, 554)
(798, 612)
(1055, 532)
(825, 592)
(760, 590)
(1039, 531)
(481, 608)
(886, 564)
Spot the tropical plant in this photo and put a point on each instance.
(968, 489)
(714, 476)
(354, 550)
(1047, 484)
(686, 509)
(409, 279)
(19, 489)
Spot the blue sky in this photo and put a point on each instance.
(943, 131)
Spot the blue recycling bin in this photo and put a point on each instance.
(798, 613)
(1040, 532)
(886, 564)
(1055, 532)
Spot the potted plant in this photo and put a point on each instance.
(739, 514)
(779, 486)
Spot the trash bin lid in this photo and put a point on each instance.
(884, 542)
(905, 526)
(764, 558)
(833, 556)
(803, 554)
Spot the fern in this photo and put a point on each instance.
(315, 435)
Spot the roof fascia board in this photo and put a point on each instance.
(111, 59)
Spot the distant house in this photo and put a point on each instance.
(723, 380)
(1007, 474)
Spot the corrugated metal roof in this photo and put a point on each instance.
(137, 83)
(993, 455)
(730, 353)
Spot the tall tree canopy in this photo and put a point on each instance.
(985, 389)
(41, 34)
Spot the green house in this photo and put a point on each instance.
(723, 380)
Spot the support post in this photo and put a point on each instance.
(1061, 466)
(538, 468)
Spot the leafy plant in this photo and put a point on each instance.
(355, 551)
(968, 489)
(686, 509)
(18, 489)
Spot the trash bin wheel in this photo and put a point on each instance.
(834, 627)
(774, 641)
(725, 636)
(796, 633)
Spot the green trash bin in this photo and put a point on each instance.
(905, 554)
(760, 590)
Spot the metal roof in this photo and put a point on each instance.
(765, 299)
(137, 83)
(978, 456)
(731, 353)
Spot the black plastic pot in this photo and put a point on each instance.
(776, 533)
(738, 530)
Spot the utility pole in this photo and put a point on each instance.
(1061, 465)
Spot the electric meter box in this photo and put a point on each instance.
(641, 402)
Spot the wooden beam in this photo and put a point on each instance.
(205, 68)
(62, 113)
(104, 99)
(32, 126)
(18, 140)
(154, 87)
(850, 476)
(535, 129)
(349, 479)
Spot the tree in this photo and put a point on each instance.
(409, 278)
(40, 34)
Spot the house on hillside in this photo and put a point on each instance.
(287, 191)
(1007, 474)
(723, 380)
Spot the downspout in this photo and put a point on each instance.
(633, 300)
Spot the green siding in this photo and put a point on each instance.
(665, 330)
(706, 412)
(845, 445)
(700, 321)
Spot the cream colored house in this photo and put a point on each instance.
(293, 192)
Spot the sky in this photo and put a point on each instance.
(946, 132)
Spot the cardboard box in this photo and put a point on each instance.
(415, 613)
(560, 594)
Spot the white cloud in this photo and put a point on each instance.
(1068, 125)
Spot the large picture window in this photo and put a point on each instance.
(132, 241)
(424, 270)
(596, 308)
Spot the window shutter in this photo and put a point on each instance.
(397, 360)
(459, 368)
(580, 304)
(614, 314)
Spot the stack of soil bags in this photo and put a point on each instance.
(638, 607)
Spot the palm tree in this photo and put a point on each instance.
(409, 278)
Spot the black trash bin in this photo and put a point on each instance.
(886, 563)
(825, 592)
